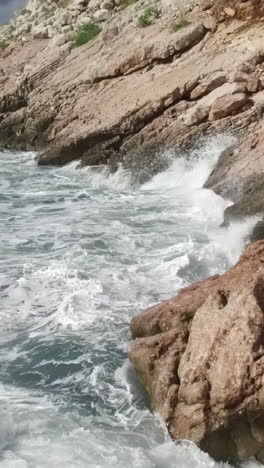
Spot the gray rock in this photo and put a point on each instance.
(40, 32)
(101, 15)
(59, 40)
(94, 4)
(66, 29)
(107, 5)
(83, 20)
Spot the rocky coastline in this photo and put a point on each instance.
(161, 74)
(194, 69)
(200, 357)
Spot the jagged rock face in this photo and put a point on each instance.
(131, 89)
(200, 356)
(238, 174)
(142, 88)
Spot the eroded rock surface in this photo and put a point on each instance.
(239, 174)
(130, 87)
(200, 356)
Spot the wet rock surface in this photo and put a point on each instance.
(131, 87)
(197, 69)
(200, 357)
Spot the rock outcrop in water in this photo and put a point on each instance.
(200, 356)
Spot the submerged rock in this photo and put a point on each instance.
(200, 356)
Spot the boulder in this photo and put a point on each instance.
(101, 15)
(210, 23)
(83, 20)
(201, 110)
(40, 32)
(227, 105)
(94, 4)
(230, 12)
(58, 40)
(107, 5)
(206, 4)
(208, 84)
(200, 357)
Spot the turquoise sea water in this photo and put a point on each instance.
(81, 252)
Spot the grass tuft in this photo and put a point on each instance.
(127, 3)
(149, 15)
(3, 45)
(86, 33)
(181, 25)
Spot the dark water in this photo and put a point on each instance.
(8, 9)
(81, 252)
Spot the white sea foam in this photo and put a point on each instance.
(82, 251)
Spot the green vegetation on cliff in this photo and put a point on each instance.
(148, 17)
(86, 33)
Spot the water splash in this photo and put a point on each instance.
(82, 251)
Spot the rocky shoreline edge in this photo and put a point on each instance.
(133, 91)
(200, 356)
(148, 82)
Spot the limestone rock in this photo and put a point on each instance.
(230, 11)
(209, 84)
(201, 110)
(210, 23)
(83, 20)
(238, 174)
(94, 4)
(107, 5)
(66, 29)
(58, 40)
(40, 33)
(206, 4)
(101, 15)
(200, 357)
(188, 36)
(156, 73)
(226, 105)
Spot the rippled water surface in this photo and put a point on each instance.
(81, 252)
(8, 8)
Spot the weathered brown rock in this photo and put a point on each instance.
(239, 173)
(227, 105)
(207, 85)
(230, 11)
(201, 110)
(130, 91)
(200, 356)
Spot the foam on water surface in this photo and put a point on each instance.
(82, 251)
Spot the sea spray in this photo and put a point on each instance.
(82, 251)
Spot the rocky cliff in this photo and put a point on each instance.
(200, 356)
(158, 73)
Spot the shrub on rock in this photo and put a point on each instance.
(86, 33)
(148, 17)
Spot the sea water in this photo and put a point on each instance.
(82, 252)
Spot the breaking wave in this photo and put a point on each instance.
(82, 251)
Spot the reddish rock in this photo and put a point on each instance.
(227, 105)
(200, 356)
